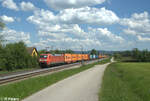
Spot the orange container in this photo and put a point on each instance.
(100, 56)
(79, 56)
(82, 56)
(67, 58)
(74, 57)
(105, 56)
(86, 57)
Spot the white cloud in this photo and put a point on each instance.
(138, 25)
(145, 39)
(106, 35)
(7, 19)
(27, 6)
(63, 29)
(63, 4)
(72, 37)
(10, 4)
(129, 31)
(11, 35)
(86, 15)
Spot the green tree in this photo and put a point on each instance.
(42, 52)
(126, 53)
(2, 25)
(135, 53)
(57, 51)
(16, 56)
(93, 51)
(144, 56)
(117, 56)
(69, 51)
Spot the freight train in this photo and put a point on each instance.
(51, 59)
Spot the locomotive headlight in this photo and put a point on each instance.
(45, 60)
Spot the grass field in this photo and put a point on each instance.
(126, 82)
(27, 87)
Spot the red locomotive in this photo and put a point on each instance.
(49, 59)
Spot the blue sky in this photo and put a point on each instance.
(70, 24)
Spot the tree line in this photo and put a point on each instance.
(56, 51)
(134, 55)
(92, 52)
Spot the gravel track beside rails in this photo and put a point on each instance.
(24, 75)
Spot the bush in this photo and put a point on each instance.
(15, 56)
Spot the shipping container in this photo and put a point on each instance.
(96, 56)
(93, 56)
(79, 57)
(67, 58)
(74, 57)
(86, 57)
(100, 56)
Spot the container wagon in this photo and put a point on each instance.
(74, 57)
(92, 57)
(86, 57)
(100, 56)
(79, 57)
(96, 56)
(68, 58)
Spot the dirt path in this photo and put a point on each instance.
(80, 87)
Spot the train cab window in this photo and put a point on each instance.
(43, 56)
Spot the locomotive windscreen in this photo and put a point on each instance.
(43, 56)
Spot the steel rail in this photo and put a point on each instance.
(12, 78)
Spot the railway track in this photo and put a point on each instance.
(12, 78)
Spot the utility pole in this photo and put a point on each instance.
(98, 56)
(52, 49)
(82, 61)
(47, 49)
